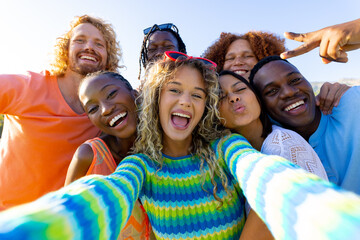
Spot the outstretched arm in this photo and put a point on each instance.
(93, 207)
(293, 204)
(334, 41)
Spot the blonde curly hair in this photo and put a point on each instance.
(61, 53)
(149, 139)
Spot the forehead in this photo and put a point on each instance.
(161, 36)
(87, 30)
(189, 77)
(273, 71)
(239, 45)
(229, 80)
(96, 84)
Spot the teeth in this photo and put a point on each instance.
(181, 115)
(294, 105)
(117, 117)
(88, 58)
(240, 72)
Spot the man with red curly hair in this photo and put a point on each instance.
(44, 120)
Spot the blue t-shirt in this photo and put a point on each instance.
(337, 141)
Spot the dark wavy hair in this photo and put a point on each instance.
(264, 118)
(263, 44)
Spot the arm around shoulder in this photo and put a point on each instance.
(80, 163)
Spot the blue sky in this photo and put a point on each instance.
(29, 28)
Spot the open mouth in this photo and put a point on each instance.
(88, 58)
(118, 119)
(180, 120)
(241, 72)
(295, 106)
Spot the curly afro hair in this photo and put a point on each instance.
(263, 44)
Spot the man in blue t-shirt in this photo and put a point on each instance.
(290, 100)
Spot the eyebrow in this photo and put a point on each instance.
(179, 84)
(234, 85)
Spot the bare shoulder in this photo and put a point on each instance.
(80, 163)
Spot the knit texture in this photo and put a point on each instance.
(293, 203)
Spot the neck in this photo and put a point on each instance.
(252, 132)
(119, 147)
(309, 129)
(68, 85)
(175, 148)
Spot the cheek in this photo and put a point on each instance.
(226, 66)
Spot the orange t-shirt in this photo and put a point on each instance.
(41, 133)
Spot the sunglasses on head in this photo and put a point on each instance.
(178, 56)
(161, 27)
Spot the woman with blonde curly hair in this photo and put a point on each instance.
(188, 178)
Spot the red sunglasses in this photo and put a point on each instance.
(173, 55)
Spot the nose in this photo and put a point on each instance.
(89, 45)
(238, 60)
(288, 91)
(233, 98)
(185, 100)
(106, 109)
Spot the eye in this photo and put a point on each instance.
(79, 40)
(170, 47)
(99, 44)
(92, 109)
(249, 56)
(271, 92)
(174, 90)
(239, 89)
(196, 95)
(229, 58)
(295, 80)
(112, 94)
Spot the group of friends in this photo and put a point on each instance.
(230, 145)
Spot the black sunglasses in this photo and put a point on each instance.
(161, 27)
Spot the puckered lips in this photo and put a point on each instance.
(296, 107)
(238, 107)
(118, 119)
(180, 119)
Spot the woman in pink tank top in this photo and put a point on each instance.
(109, 101)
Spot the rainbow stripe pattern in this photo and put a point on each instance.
(293, 203)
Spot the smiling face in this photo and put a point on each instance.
(240, 58)
(239, 107)
(110, 105)
(288, 96)
(160, 42)
(182, 104)
(87, 50)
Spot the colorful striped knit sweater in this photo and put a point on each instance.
(298, 205)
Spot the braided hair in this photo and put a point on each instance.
(144, 48)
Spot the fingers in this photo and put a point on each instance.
(306, 47)
(300, 37)
(330, 95)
